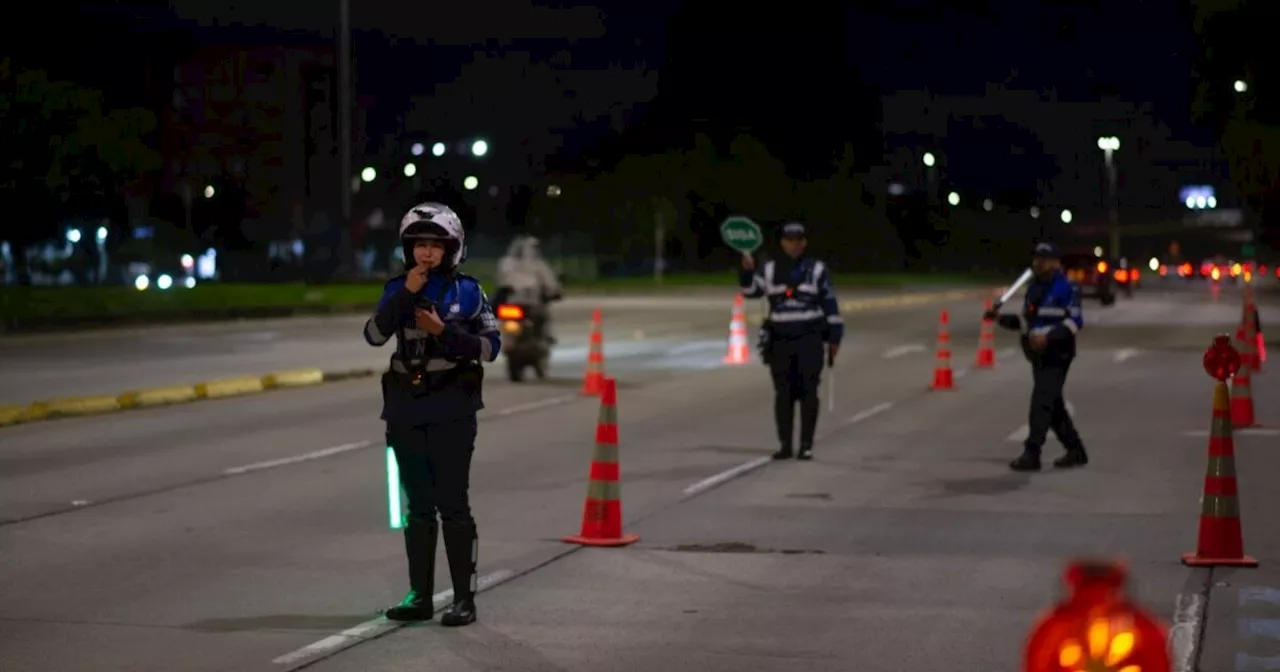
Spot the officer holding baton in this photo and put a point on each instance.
(444, 330)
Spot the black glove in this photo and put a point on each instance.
(991, 315)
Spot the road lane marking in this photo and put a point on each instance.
(1251, 431)
(305, 457)
(1184, 631)
(1125, 354)
(535, 405)
(750, 466)
(1020, 434)
(900, 350)
(381, 625)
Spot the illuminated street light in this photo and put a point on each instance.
(73, 236)
(1066, 216)
(987, 204)
(437, 149)
(209, 191)
(1035, 212)
(410, 170)
(929, 160)
(1109, 143)
(1154, 264)
(953, 198)
(1241, 86)
(368, 174)
(470, 183)
(417, 149)
(479, 148)
(102, 234)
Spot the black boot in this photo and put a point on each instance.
(1074, 457)
(806, 452)
(462, 548)
(784, 453)
(420, 538)
(784, 408)
(1029, 460)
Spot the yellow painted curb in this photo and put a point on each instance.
(158, 396)
(12, 415)
(294, 378)
(228, 387)
(68, 406)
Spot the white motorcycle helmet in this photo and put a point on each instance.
(434, 221)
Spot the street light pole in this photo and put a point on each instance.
(1109, 145)
(344, 108)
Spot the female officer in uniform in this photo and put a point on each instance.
(444, 330)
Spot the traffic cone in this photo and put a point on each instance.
(738, 350)
(593, 381)
(602, 513)
(1248, 333)
(986, 343)
(943, 378)
(1220, 540)
(1242, 396)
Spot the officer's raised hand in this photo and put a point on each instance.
(428, 321)
(748, 262)
(417, 278)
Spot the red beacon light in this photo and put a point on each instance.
(1097, 628)
(1221, 361)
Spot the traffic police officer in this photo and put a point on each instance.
(445, 330)
(1050, 319)
(803, 316)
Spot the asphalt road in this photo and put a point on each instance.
(112, 361)
(230, 534)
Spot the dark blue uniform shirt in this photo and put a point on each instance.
(800, 303)
(1051, 307)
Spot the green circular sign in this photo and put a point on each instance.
(742, 234)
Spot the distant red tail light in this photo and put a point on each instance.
(507, 311)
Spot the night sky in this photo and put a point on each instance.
(805, 80)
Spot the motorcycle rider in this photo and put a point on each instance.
(524, 277)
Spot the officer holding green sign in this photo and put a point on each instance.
(803, 326)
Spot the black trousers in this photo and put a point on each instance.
(1048, 407)
(435, 471)
(795, 364)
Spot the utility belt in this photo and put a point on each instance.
(433, 375)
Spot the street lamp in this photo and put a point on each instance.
(1241, 86)
(987, 204)
(209, 191)
(417, 149)
(1035, 212)
(1066, 216)
(1109, 144)
(479, 148)
(410, 170)
(929, 159)
(437, 149)
(953, 198)
(368, 174)
(470, 183)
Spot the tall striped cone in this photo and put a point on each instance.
(1242, 396)
(986, 343)
(739, 353)
(593, 381)
(1248, 333)
(602, 513)
(943, 377)
(1220, 541)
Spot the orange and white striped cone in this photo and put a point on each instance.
(986, 343)
(1249, 357)
(943, 377)
(593, 381)
(1220, 541)
(1242, 396)
(602, 512)
(739, 351)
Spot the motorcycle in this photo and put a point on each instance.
(524, 344)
